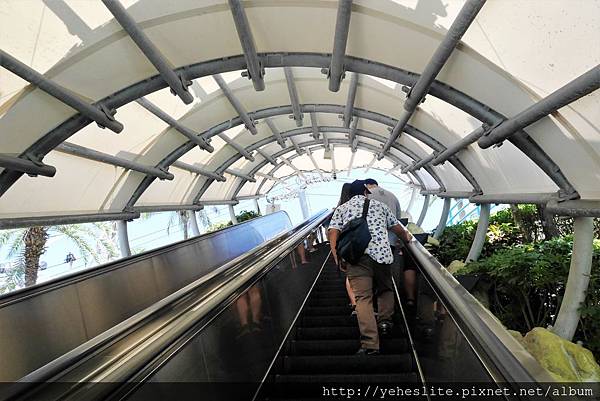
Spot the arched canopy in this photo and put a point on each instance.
(173, 154)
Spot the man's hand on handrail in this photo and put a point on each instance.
(402, 233)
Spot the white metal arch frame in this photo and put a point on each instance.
(257, 145)
(310, 108)
(336, 63)
(360, 145)
(306, 130)
(439, 90)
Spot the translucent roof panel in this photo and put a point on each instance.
(506, 62)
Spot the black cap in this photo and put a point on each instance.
(370, 181)
(358, 187)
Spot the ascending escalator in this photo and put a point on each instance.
(303, 338)
(322, 346)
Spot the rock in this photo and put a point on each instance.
(565, 361)
(455, 266)
(414, 229)
(433, 241)
(518, 336)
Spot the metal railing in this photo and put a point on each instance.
(502, 355)
(99, 366)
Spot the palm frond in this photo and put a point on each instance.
(17, 243)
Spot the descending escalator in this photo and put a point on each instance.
(322, 346)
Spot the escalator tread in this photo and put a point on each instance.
(326, 337)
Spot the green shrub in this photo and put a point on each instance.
(528, 283)
(242, 216)
(246, 215)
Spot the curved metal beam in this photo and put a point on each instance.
(311, 109)
(440, 90)
(307, 130)
(269, 176)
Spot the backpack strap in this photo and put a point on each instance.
(366, 207)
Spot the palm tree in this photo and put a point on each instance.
(182, 219)
(27, 245)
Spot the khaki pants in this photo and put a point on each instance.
(363, 276)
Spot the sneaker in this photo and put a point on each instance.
(367, 352)
(385, 328)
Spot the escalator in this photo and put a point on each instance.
(267, 326)
(326, 339)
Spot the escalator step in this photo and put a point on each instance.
(337, 293)
(345, 378)
(330, 287)
(343, 347)
(328, 321)
(341, 301)
(327, 310)
(331, 284)
(327, 333)
(398, 363)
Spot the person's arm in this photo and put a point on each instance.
(403, 234)
(395, 226)
(333, 235)
(335, 227)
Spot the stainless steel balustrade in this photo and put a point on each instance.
(505, 359)
(73, 309)
(129, 346)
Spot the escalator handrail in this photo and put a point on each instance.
(509, 357)
(248, 261)
(84, 274)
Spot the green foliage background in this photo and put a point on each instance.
(524, 273)
(244, 215)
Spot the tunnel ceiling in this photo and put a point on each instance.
(221, 140)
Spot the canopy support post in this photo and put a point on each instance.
(232, 215)
(193, 223)
(256, 207)
(123, 238)
(579, 278)
(303, 204)
(480, 234)
(423, 210)
(443, 219)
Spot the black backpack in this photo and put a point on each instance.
(354, 238)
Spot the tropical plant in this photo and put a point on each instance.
(26, 246)
(244, 215)
(528, 284)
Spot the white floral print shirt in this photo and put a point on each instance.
(379, 219)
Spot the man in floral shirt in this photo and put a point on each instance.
(374, 268)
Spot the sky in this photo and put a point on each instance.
(159, 229)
